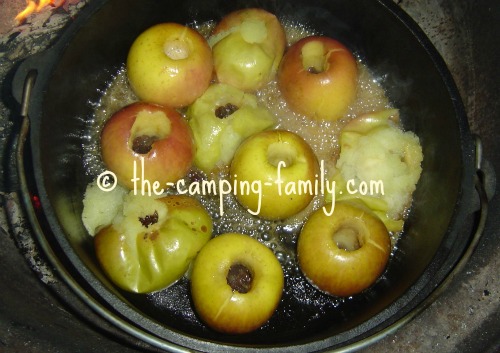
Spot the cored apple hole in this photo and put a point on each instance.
(314, 57)
(143, 144)
(226, 110)
(348, 238)
(281, 152)
(239, 277)
(176, 49)
(148, 128)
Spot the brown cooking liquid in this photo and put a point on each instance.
(323, 136)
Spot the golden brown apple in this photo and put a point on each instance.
(318, 78)
(146, 143)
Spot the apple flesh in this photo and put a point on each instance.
(151, 244)
(247, 46)
(236, 283)
(344, 253)
(220, 120)
(279, 161)
(169, 64)
(318, 78)
(154, 133)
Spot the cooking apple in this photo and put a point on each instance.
(236, 283)
(169, 64)
(151, 244)
(318, 78)
(247, 46)
(283, 164)
(152, 140)
(220, 120)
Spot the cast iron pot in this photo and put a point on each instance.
(55, 89)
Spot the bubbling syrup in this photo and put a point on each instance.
(323, 137)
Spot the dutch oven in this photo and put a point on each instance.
(55, 89)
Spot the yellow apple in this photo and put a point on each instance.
(318, 78)
(344, 253)
(151, 244)
(220, 120)
(236, 283)
(169, 64)
(283, 164)
(247, 46)
(154, 141)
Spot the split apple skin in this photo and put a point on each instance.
(169, 64)
(318, 78)
(141, 254)
(158, 134)
(258, 160)
(241, 310)
(345, 253)
(247, 46)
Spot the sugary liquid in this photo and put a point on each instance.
(323, 136)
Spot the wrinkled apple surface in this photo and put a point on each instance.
(220, 120)
(152, 242)
(247, 48)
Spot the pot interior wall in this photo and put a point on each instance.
(98, 49)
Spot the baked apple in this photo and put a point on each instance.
(220, 120)
(151, 244)
(373, 149)
(146, 143)
(236, 283)
(247, 47)
(318, 78)
(169, 64)
(344, 253)
(283, 164)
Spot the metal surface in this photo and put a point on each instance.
(484, 118)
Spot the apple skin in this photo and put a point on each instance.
(170, 157)
(333, 269)
(326, 94)
(217, 303)
(216, 138)
(256, 160)
(169, 64)
(143, 259)
(249, 45)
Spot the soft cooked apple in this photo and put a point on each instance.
(318, 78)
(344, 253)
(220, 120)
(284, 165)
(151, 244)
(247, 46)
(236, 283)
(146, 143)
(169, 64)
(374, 149)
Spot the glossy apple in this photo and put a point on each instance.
(247, 46)
(220, 120)
(280, 161)
(318, 78)
(345, 253)
(157, 134)
(236, 283)
(169, 64)
(152, 243)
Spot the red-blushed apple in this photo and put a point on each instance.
(236, 283)
(148, 143)
(247, 46)
(220, 120)
(344, 253)
(169, 64)
(318, 78)
(151, 244)
(284, 166)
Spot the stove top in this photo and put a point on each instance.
(38, 313)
